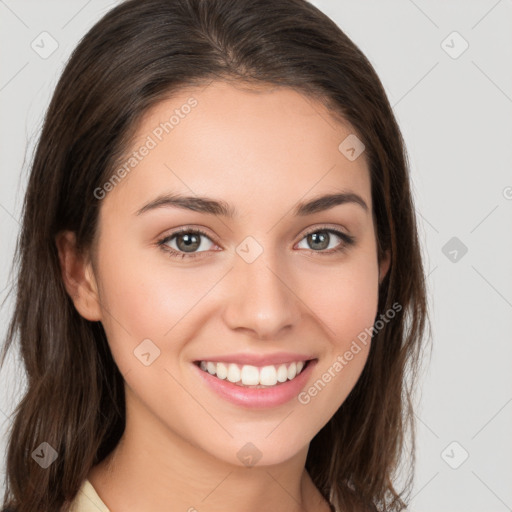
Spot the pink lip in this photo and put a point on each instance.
(258, 397)
(259, 360)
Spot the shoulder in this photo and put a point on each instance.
(87, 500)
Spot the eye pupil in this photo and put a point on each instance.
(320, 237)
(192, 242)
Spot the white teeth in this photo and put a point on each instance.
(282, 373)
(211, 368)
(248, 375)
(222, 371)
(292, 371)
(268, 376)
(233, 373)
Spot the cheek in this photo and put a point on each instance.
(346, 300)
(144, 297)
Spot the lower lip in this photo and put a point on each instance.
(258, 397)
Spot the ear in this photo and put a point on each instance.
(384, 265)
(78, 277)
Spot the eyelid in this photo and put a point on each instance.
(326, 227)
(188, 229)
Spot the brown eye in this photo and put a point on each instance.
(188, 242)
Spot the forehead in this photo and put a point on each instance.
(240, 143)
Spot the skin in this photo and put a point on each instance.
(260, 150)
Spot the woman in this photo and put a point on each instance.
(220, 287)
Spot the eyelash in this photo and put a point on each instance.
(347, 241)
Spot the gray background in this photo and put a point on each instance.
(455, 113)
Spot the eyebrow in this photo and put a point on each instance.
(221, 208)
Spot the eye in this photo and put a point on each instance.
(185, 243)
(320, 239)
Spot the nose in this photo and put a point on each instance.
(261, 299)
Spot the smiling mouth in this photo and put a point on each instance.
(252, 376)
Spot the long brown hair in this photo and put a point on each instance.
(136, 55)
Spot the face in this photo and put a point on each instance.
(268, 285)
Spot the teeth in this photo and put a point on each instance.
(292, 371)
(222, 371)
(268, 376)
(249, 375)
(282, 373)
(233, 373)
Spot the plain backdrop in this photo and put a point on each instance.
(446, 67)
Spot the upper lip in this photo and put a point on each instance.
(258, 359)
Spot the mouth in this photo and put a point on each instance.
(256, 387)
(256, 377)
